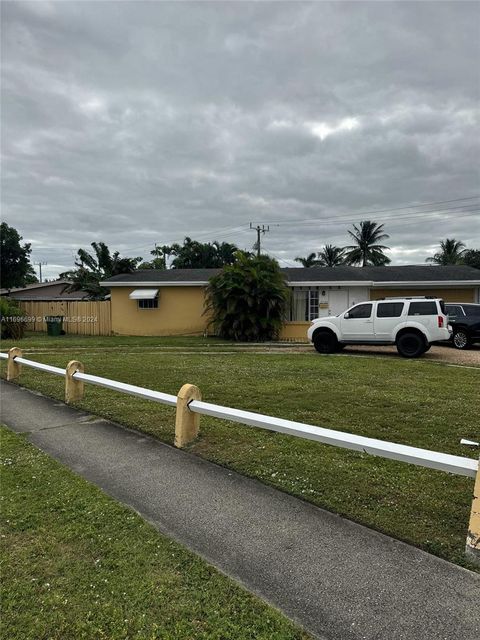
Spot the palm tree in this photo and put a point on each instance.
(451, 252)
(366, 251)
(248, 300)
(193, 254)
(331, 256)
(92, 268)
(309, 261)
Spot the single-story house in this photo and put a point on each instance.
(171, 302)
(44, 292)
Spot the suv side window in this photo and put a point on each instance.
(454, 310)
(389, 309)
(471, 309)
(423, 309)
(361, 311)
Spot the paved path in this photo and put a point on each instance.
(337, 579)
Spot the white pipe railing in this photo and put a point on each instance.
(39, 365)
(421, 457)
(131, 389)
(458, 465)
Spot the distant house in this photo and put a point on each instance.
(44, 292)
(171, 302)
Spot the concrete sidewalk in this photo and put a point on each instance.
(337, 579)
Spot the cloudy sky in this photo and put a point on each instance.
(143, 122)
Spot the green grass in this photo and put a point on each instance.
(77, 565)
(413, 402)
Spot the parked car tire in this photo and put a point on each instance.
(411, 344)
(325, 342)
(460, 339)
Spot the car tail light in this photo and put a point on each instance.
(440, 321)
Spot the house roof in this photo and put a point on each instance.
(353, 276)
(44, 291)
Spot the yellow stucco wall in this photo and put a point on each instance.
(295, 331)
(179, 312)
(466, 294)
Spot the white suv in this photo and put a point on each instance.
(412, 324)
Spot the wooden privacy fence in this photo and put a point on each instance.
(86, 318)
(189, 408)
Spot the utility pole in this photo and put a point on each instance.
(39, 265)
(260, 229)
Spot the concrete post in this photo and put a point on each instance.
(472, 548)
(186, 422)
(73, 388)
(13, 368)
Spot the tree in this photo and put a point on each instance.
(309, 261)
(451, 252)
(201, 255)
(471, 258)
(248, 300)
(91, 269)
(331, 256)
(15, 267)
(159, 259)
(366, 251)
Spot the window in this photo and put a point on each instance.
(454, 310)
(389, 309)
(360, 311)
(304, 304)
(423, 309)
(148, 303)
(471, 309)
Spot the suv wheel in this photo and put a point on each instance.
(461, 339)
(411, 345)
(325, 342)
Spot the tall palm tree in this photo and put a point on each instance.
(331, 256)
(309, 261)
(91, 268)
(366, 251)
(451, 252)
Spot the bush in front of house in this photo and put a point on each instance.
(248, 300)
(12, 326)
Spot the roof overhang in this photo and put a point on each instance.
(143, 294)
(168, 283)
(329, 283)
(428, 283)
(308, 283)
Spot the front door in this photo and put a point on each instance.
(359, 324)
(337, 301)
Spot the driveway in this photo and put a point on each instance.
(447, 354)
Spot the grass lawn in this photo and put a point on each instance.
(409, 401)
(77, 565)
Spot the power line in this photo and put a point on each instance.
(411, 206)
(445, 213)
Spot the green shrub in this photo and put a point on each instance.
(248, 299)
(10, 326)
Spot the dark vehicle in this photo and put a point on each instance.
(465, 321)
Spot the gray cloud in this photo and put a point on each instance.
(142, 122)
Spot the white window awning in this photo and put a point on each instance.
(143, 294)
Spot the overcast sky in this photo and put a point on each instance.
(143, 122)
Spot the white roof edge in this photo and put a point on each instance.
(427, 283)
(169, 283)
(340, 283)
(305, 283)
